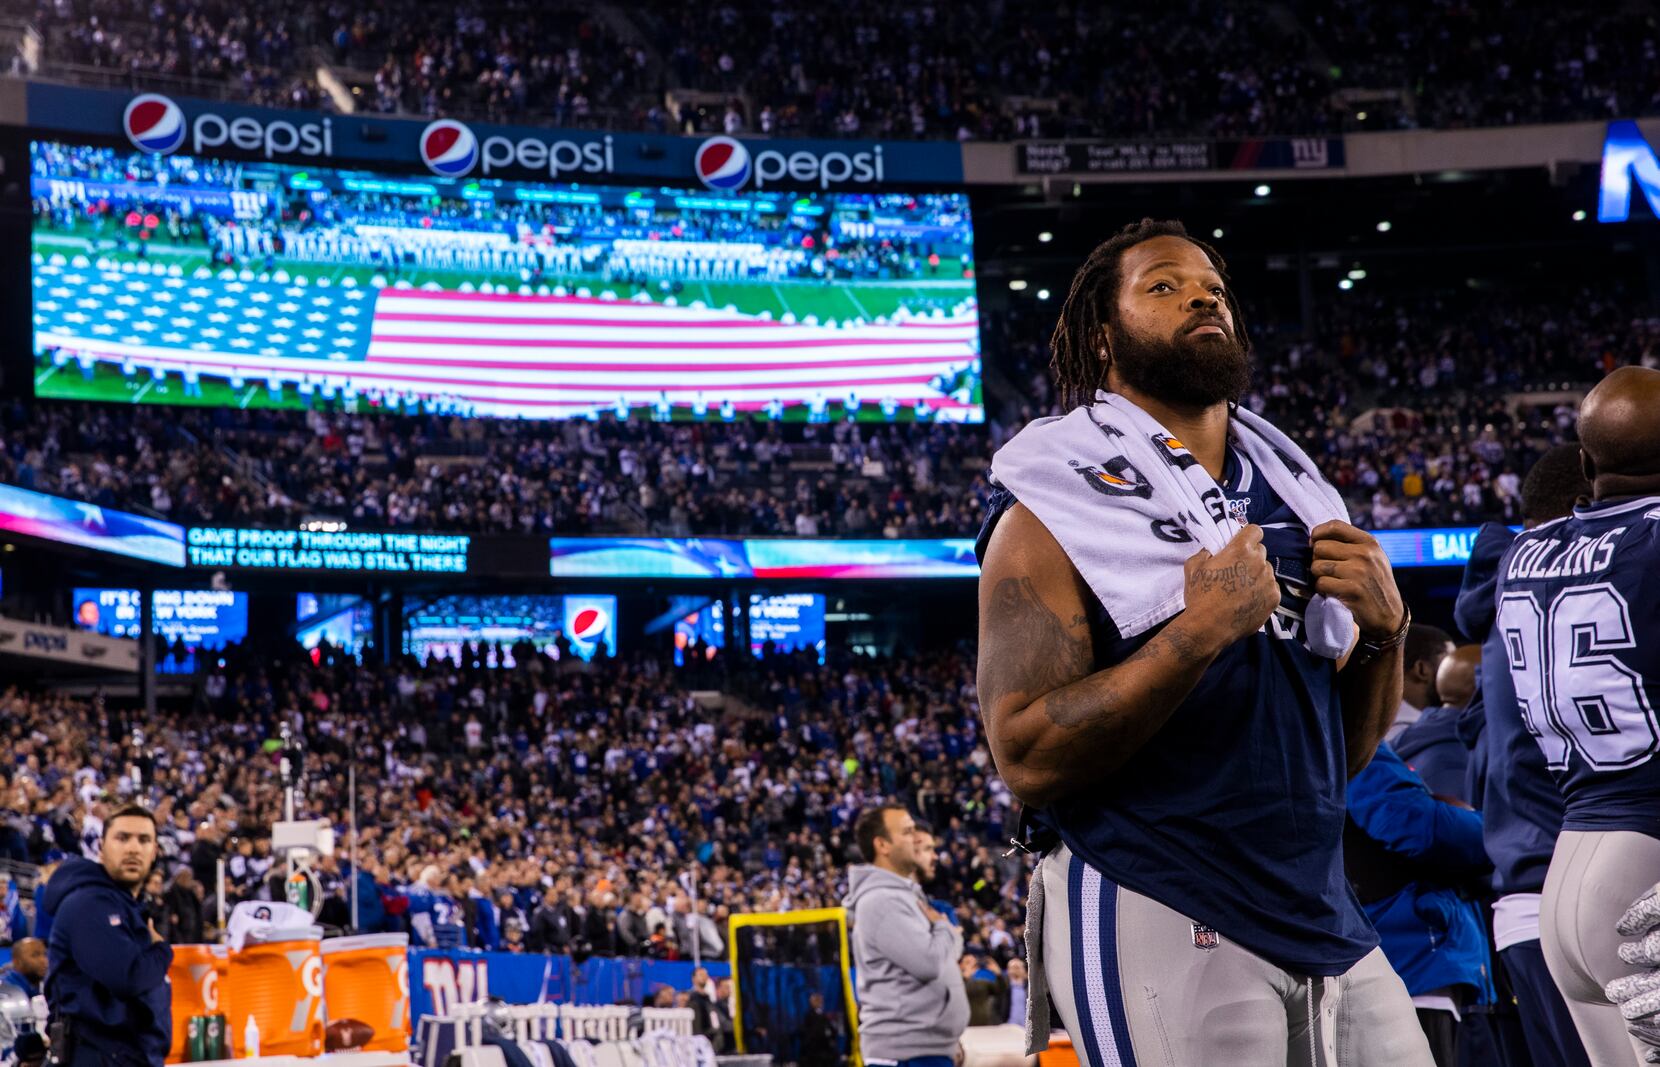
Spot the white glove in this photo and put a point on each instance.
(1638, 995)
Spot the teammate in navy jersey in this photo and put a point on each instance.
(1579, 613)
(1521, 808)
(1188, 785)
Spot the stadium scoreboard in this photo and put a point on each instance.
(163, 276)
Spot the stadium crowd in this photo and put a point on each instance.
(860, 68)
(975, 71)
(279, 468)
(255, 58)
(1545, 64)
(1423, 409)
(553, 805)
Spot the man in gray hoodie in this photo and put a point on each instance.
(912, 1005)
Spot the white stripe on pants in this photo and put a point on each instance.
(1593, 879)
(1142, 994)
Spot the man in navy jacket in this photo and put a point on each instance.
(106, 977)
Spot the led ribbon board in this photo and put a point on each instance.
(347, 551)
(73, 522)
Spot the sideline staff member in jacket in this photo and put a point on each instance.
(106, 978)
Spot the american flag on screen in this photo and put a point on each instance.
(502, 353)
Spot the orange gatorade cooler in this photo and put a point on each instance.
(277, 979)
(196, 976)
(366, 978)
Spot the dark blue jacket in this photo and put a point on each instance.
(1433, 937)
(1432, 747)
(1520, 804)
(371, 910)
(103, 970)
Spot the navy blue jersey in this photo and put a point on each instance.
(1579, 614)
(1232, 813)
(1521, 808)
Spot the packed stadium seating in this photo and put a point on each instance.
(590, 786)
(977, 71)
(559, 803)
(1491, 381)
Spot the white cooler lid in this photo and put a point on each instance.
(360, 941)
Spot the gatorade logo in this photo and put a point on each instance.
(207, 984)
(154, 124)
(448, 148)
(311, 976)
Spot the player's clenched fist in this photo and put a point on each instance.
(1232, 593)
(1350, 566)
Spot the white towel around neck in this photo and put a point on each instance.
(1130, 504)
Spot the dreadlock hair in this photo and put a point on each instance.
(1080, 338)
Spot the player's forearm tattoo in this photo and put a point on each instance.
(1044, 665)
(1042, 653)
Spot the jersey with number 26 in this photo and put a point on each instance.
(1579, 612)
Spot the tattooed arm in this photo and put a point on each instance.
(1054, 722)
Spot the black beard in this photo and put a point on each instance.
(1183, 371)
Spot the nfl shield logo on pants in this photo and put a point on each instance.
(1204, 937)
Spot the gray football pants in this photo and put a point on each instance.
(1593, 879)
(1135, 988)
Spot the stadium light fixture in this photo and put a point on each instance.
(1217, 233)
(1346, 284)
(1357, 274)
(1263, 190)
(1385, 226)
(1360, 116)
(1043, 294)
(1579, 216)
(1017, 284)
(1045, 237)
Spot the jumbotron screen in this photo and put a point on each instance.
(189, 280)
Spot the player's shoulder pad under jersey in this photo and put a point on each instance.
(1574, 548)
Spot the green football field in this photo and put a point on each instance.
(838, 301)
(109, 385)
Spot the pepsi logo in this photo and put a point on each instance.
(589, 624)
(722, 163)
(448, 148)
(154, 124)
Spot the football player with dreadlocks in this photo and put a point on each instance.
(1184, 770)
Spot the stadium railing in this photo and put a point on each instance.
(86, 75)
